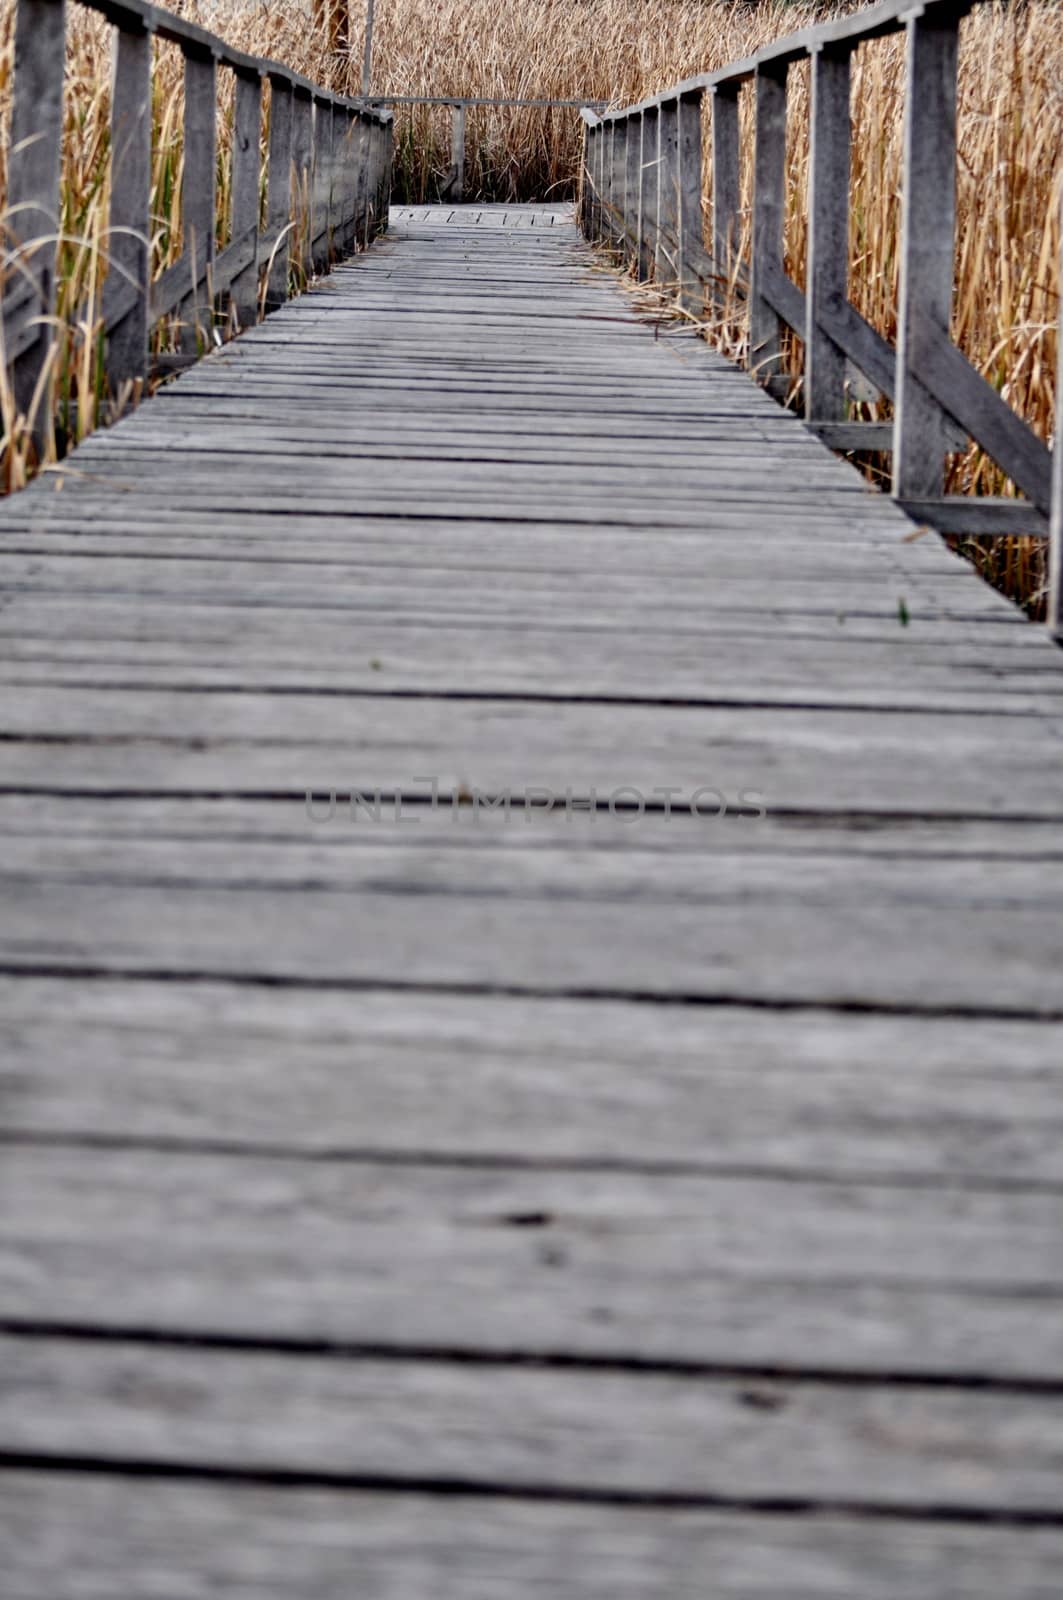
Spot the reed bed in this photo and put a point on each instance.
(1011, 132)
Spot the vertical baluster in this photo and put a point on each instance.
(33, 184)
(1055, 548)
(457, 153)
(387, 143)
(198, 197)
(279, 185)
(769, 180)
(648, 192)
(726, 181)
(302, 172)
(585, 180)
(632, 185)
(691, 241)
(373, 177)
(247, 131)
(608, 221)
(600, 215)
(324, 177)
(828, 230)
(666, 263)
(643, 257)
(361, 159)
(928, 226)
(128, 242)
(348, 180)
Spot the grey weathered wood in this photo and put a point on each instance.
(246, 172)
(742, 1271)
(589, 138)
(799, 1115)
(32, 207)
(455, 187)
(648, 193)
(984, 515)
(632, 189)
(928, 225)
(689, 218)
(602, 1434)
(322, 188)
(302, 182)
(666, 266)
(130, 221)
(769, 181)
(529, 1080)
(944, 374)
(828, 230)
(726, 157)
(198, 199)
(279, 186)
(197, 1539)
(618, 183)
(1055, 556)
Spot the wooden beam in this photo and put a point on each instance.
(769, 183)
(129, 234)
(33, 207)
(198, 196)
(246, 170)
(828, 230)
(928, 226)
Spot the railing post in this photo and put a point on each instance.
(828, 231)
(198, 192)
(928, 227)
(648, 193)
(585, 180)
(387, 144)
(691, 246)
(348, 157)
(632, 185)
(769, 180)
(373, 175)
(725, 179)
(600, 213)
(128, 243)
(457, 153)
(321, 185)
(33, 209)
(609, 184)
(666, 264)
(1055, 537)
(363, 144)
(302, 208)
(279, 186)
(247, 129)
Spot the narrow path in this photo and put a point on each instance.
(586, 1193)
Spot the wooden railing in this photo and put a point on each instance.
(327, 189)
(642, 194)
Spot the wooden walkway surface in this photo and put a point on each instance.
(606, 1199)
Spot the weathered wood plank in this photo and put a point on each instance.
(934, 1100)
(188, 1541)
(598, 1435)
(749, 1272)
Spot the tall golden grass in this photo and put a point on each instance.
(1011, 136)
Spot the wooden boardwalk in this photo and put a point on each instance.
(595, 1197)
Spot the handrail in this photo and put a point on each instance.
(328, 174)
(642, 195)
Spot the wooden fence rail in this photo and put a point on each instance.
(641, 194)
(328, 178)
